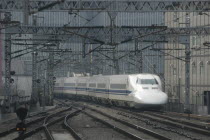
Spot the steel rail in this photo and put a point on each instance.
(11, 130)
(171, 123)
(28, 124)
(47, 132)
(204, 127)
(122, 131)
(55, 114)
(39, 128)
(46, 123)
(193, 116)
(137, 127)
(70, 129)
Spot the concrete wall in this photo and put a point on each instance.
(22, 85)
(199, 66)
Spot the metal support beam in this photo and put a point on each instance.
(140, 60)
(139, 57)
(34, 96)
(83, 48)
(99, 34)
(26, 11)
(7, 66)
(110, 5)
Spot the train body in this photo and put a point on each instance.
(135, 90)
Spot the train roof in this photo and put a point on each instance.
(121, 75)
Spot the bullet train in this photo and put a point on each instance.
(135, 90)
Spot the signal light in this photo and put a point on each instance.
(21, 126)
(12, 72)
(38, 81)
(12, 80)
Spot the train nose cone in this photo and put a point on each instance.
(151, 98)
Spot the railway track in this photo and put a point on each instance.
(122, 126)
(170, 126)
(37, 128)
(178, 120)
(205, 119)
(47, 123)
(125, 122)
(131, 130)
(31, 120)
(39, 123)
(70, 129)
(175, 122)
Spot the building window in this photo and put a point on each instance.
(206, 97)
(201, 67)
(196, 41)
(193, 68)
(176, 18)
(193, 40)
(174, 71)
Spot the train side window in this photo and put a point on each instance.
(69, 84)
(101, 85)
(81, 84)
(92, 85)
(118, 86)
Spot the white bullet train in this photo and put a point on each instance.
(135, 90)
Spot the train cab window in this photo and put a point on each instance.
(147, 81)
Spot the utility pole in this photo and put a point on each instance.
(139, 57)
(1, 49)
(34, 95)
(187, 67)
(7, 58)
(112, 16)
(116, 63)
(140, 61)
(50, 75)
(187, 76)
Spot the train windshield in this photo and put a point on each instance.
(147, 81)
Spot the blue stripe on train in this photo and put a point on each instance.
(103, 91)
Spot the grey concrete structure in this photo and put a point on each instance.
(199, 64)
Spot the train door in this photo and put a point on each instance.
(207, 100)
